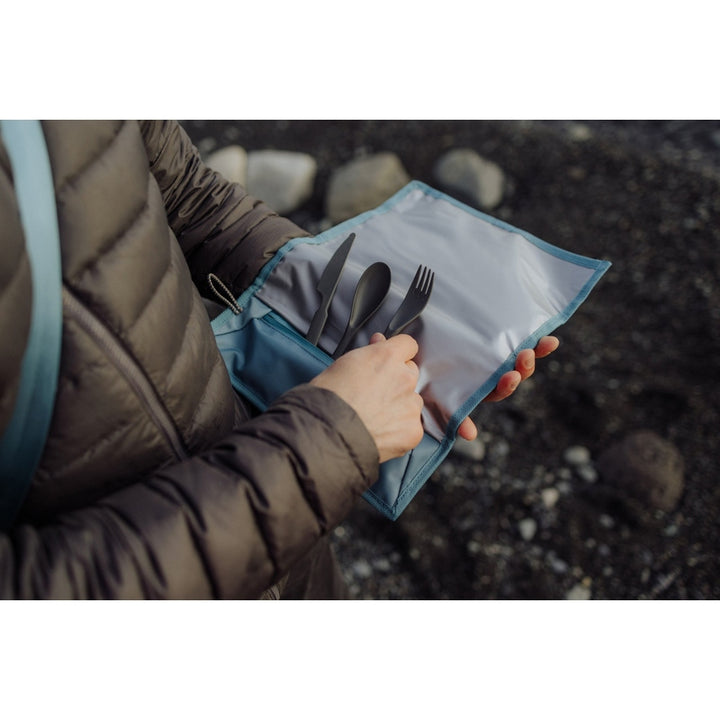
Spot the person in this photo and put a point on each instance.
(156, 479)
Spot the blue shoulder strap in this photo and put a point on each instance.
(22, 443)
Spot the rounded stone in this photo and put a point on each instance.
(579, 592)
(363, 184)
(644, 468)
(463, 171)
(231, 162)
(577, 455)
(527, 528)
(282, 179)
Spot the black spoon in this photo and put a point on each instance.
(370, 292)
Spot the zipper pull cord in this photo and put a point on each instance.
(223, 294)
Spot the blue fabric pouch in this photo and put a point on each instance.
(497, 290)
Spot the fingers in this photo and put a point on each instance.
(467, 429)
(402, 345)
(546, 345)
(524, 368)
(506, 386)
(525, 363)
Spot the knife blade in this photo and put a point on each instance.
(327, 285)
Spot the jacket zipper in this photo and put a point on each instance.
(128, 368)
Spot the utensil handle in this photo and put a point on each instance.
(391, 330)
(344, 342)
(317, 324)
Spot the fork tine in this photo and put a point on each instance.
(420, 279)
(428, 281)
(417, 278)
(414, 302)
(431, 280)
(423, 280)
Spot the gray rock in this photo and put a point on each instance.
(587, 473)
(284, 180)
(465, 172)
(579, 592)
(577, 455)
(363, 184)
(646, 470)
(362, 569)
(527, 528)
(474, 547)
(549, 497)
(231, 162)
(500, 449)
(579, 132)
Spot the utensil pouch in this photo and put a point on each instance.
(497, 291)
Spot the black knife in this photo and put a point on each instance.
(327, 286)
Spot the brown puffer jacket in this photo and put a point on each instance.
(154, 482)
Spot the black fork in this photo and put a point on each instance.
(414, 302)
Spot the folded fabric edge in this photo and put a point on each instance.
(408, 492)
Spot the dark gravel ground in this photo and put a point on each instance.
(643, 352)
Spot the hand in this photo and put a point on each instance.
(378, 381)
(508, 383)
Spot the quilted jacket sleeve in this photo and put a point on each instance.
(206, 527)
(221, 228)
(233, 519)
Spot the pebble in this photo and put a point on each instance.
(479, 180)
(527, 528)
(549, 497)
(474, 547)
(362, 569)
(645, 470)
(587, 473)
(579, 592)
(564, 487)
(382, 564)
(363, 184)
(284, 180)
(579, 132)
(577, 455)
(231, 162)
(500, 449)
